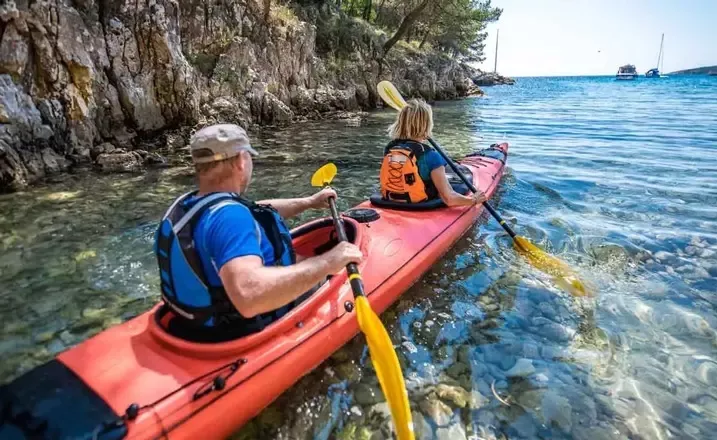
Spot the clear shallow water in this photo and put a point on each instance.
(619, 179)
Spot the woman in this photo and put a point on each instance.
(412, 171)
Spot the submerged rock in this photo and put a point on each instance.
(457, 369)
(594, 433)
(522, 368)
(706, 372)
(120, 162)
(436, 410)
(531, 350)
(421, 428)
(349, 371)
(366, 394)
(353, 432)
(547, 310)
(530, 399)
(557, 332)
(478, 400)
(525, 426)
(382, 410)
(453, 432)
(557, 409)
(455, 395)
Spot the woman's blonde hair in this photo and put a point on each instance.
(415, 121)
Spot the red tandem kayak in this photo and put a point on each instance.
(136, 381)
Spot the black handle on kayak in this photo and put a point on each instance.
(465, 180)
(351, 268)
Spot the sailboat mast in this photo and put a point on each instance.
(495, 66)
(659, 55)
(662, 53)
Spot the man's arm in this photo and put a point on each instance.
(254, 288)
(289, 207)
(292, 207)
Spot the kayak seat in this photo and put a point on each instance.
(455, 181)
(309, 240)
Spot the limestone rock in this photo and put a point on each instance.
(491, 79)
(120, 162)
(17, 108)
(105, 148)
(26, 152)
(14, 51)
(78, 75)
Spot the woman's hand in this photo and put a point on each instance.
(479, 197)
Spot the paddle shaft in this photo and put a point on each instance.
(351, 268)
(465, 180)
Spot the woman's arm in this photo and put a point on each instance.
(450, 197)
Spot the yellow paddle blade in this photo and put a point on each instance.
(561, 272)
(387, 368)
(324, 175)
(390, 95)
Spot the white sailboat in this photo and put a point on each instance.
(655, 72)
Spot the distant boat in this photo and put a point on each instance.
(626, 72)
(655, 72)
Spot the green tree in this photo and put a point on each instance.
(459, 27)
(455, 27)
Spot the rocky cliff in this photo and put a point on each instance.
(88, 81)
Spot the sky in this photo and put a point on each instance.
(595, 37)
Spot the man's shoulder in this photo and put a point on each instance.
(226, 213)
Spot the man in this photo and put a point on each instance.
(227, 265)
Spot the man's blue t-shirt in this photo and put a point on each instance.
(227, 231)
(429, 161)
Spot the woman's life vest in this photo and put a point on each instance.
(400, 178)
(184, 284)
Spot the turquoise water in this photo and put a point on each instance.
(617, 178)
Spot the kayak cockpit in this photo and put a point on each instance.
(455, 181)
(313, 238)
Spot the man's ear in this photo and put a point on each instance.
(241, 164)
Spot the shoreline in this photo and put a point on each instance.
(99, 86)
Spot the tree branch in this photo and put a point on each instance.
(406, 24)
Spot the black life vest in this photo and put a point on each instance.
(184, 284)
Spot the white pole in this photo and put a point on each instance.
(495, 66)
